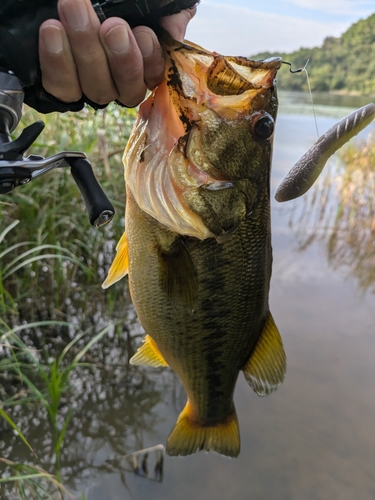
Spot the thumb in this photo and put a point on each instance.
(177, 23)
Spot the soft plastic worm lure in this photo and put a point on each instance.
(305, 172)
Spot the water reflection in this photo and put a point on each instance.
(333, 105)
(340, 211)
(113, 405)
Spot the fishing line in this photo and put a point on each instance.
(299, 70)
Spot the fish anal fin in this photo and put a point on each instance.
(188, 436)
(120, 265)
(177, 274)
(148, 354)
(266, 367)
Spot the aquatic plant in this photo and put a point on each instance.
(30, 482)
(103, 394)
(44, 382)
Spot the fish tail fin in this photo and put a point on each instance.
(120, 265)
(188, 436)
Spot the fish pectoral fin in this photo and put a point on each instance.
(177, 274)
(188, 436)
(148, 354)
(120, 265)
(266, 367)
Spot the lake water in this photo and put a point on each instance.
(314, 439)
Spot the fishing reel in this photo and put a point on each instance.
(17, 170)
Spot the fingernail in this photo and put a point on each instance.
(117, 40)
(52, 39)
(145, 43)
(75, 13)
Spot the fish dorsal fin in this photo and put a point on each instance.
(266, 367)
(189, 436)
(148, 354)
(120, 265)
(177, 274)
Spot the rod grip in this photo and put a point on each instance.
(100, 210)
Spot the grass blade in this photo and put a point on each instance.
(7, 229)
(15, 427)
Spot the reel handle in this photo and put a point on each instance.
(100, 210)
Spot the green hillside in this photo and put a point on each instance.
(345, 64)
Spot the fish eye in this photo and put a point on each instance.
(264, 127)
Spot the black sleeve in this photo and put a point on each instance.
(19, 28)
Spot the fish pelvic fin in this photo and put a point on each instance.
(266, 367)
(188, 436)
(120, 265)
(148, 354)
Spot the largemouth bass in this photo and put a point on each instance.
(197, 245)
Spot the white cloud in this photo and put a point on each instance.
(240, 31)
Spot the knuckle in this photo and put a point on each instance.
(130, 103)
(63, 93)
(102, 97)
(131, 100)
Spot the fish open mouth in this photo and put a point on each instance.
(165, 157)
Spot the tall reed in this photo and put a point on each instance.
(52, 218)
(50, 258)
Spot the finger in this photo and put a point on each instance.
(152, 54)
(176, 25)
(82, 27)
(59, 74)
(125, 60)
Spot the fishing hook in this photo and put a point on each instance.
(299, 70)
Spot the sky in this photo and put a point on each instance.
(247, 27)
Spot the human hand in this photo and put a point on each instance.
(106, 61)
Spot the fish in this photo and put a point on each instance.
(197, 246)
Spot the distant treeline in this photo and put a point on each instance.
(345, 64)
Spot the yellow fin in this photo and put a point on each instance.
(148, 354)
(188, 436)
(266, 367)
(120, 265)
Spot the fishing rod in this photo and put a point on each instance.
(21, 82)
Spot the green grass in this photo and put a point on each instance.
(48, 249)
(30, 482)
(50, 256)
